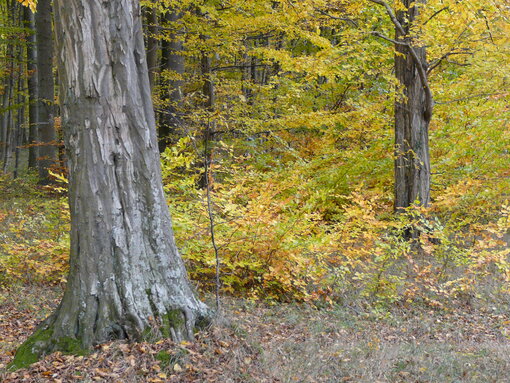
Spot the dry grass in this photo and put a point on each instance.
(255, 342)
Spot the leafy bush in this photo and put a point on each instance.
(282, 237)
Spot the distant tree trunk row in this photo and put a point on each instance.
(27, 114)
(10, 95)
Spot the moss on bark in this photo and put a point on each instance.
(41, 343)
(174, 319)
(173, 325)
(30, 351)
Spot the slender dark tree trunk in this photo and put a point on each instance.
(126, 276)
(172, 60)
(412, 117)
(46, 81)
(151, 18)
(208, 177)
(208, 87)
(7, 120)
(247, 87)
(18, 138)
(209, 92)
(4, 128)
(253, 69)
(20, 119)
(33, 151)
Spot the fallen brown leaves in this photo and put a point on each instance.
(208, 360)
(218, 355)
(21, 309)
(280, 343)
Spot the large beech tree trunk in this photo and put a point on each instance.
(412, 118)
(126, 277)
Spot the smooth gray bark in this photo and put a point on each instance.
(412, 117)
(46, 81)
(126, 278)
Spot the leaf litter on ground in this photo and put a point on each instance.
(258, 342)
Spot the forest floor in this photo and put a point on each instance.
(258, 342)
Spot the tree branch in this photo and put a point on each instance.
(438, 61)
(396, 42)
(435, 14)
(236, 67)
(392, 15)
(471, 97)
(346, 19)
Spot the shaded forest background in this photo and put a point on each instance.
(276, 134)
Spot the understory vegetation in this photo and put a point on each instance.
(374, 306)
(284, 236)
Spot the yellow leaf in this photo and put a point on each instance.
(29, 3)
(177, 368)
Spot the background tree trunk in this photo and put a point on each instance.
(46, 128)
(172, 60)
(412, 118)
(151, 18)
(20, 118)
(33, 151)
(7, 120)
(4, 120)
(127, 279)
